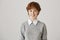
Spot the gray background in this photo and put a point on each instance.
(13, 13)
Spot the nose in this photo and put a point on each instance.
(33, 12)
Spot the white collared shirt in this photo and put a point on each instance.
(34, 22)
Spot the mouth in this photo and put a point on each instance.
(33, 15)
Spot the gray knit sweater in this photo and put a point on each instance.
(33, 32)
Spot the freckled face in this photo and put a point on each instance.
(33, 13)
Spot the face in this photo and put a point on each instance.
(33, 13)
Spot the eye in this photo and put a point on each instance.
(35, 10)
(30, 10)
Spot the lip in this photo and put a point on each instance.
(32, 15)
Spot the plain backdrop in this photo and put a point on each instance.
(13, 13)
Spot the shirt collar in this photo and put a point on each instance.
(34, 22)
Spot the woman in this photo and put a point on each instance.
(33, 29)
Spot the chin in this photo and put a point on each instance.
(33, 18)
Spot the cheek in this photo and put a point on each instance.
(29, 13)
(36, 13)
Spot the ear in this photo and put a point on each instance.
(38, 13)
(28, 12)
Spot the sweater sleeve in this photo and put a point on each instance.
(44, 33)
(21, 37)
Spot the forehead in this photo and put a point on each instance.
(33, 8)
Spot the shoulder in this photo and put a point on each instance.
(40, 22)
(22, 27)
(24, 23)
(42, 25)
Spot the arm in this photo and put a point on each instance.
(22, 33)
(44, 33)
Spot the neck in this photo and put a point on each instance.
(33, 19)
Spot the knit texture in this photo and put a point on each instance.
(33, 32)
